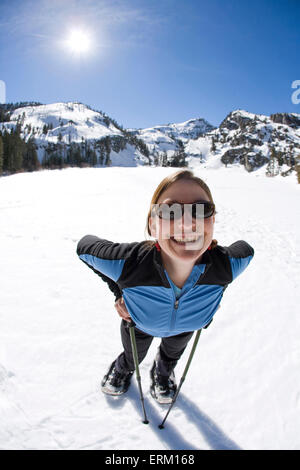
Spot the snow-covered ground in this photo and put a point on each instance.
(59, 330)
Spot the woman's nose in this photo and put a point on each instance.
(188, 224)
(187, 219)
(185, 223)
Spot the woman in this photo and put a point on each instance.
(169, 287)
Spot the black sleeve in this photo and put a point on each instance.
(105, 258)
(240, 254)
(111, 284)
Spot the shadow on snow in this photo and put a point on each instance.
(170, 435)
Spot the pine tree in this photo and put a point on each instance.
(30, 158)
(164, 159)
(4, 115)
(213, 147)
(107, 149)
(77, 155)
(13, 147)
(155, 157)
(178, 159)
(272, 167)
(297, 168)
(100, 145)
(6, 150)
(45, 159)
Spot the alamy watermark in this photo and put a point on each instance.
(2, 92)
(296, 95)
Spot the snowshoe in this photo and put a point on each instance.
(115, 382)
(163, 387)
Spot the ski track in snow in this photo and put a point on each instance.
(59, 330)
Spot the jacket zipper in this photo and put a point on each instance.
(173, 316)
(175, 301)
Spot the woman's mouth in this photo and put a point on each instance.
(186, 239)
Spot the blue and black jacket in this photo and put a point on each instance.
(136, 272)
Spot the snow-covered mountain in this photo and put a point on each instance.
(254, 140)
(165, 138)
(243, 138)
(74, 121)
(251, 140)
(59, 125)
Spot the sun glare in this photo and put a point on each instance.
(78, 42)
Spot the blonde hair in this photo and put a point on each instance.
(166, 183)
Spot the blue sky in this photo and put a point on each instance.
(156, 61)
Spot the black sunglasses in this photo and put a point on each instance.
(165, 210)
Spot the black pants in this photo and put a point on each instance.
(170, 350)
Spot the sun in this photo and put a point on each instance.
(78, 42)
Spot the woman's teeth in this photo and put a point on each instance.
(186, 239)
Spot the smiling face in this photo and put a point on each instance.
(169, 233)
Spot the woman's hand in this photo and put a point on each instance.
(122, 309)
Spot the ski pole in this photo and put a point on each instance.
(137, 370)
(161, 426)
